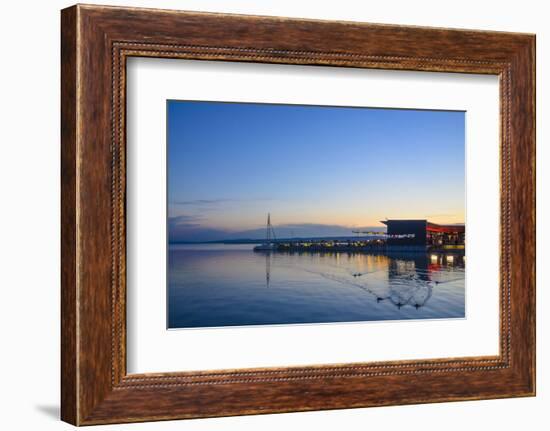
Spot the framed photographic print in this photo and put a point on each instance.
(268, 215)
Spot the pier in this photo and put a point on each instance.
(376, 245)
(419, 236)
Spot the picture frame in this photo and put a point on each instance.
(96, 42)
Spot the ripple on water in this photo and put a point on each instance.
(224, 285)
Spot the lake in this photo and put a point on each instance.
(214, 285)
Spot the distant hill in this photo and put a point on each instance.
(259, 241)
(183, 232)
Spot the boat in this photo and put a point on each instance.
(270, 243)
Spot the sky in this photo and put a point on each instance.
(319, 171)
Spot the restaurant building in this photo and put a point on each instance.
(423, 235)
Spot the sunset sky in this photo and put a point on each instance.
(319, 171)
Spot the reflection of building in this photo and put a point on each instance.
(410, 277)
(421, 235)
(410, 280)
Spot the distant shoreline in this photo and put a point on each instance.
(262, 240)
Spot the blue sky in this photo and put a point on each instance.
(317, 170)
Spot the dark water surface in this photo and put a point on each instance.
(230, 285)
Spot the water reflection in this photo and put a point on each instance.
(267, 268)
(411, 276)
(223, 286)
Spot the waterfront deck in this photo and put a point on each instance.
(370, 246)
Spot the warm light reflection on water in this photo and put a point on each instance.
(229, 285)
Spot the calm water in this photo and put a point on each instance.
(227, 285)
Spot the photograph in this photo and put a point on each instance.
(282, 214)
(304, 214)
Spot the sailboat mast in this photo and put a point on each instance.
(268, 236)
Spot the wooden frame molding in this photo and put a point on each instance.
(95, 43)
